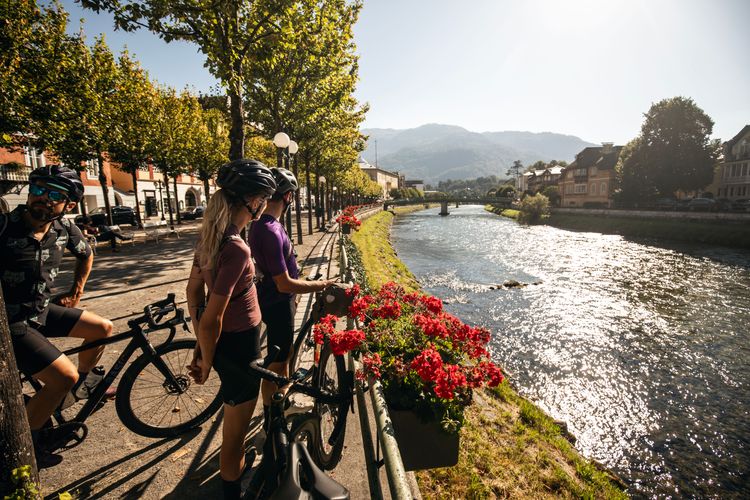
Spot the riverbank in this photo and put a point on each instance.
(509, 447)
(505, 212)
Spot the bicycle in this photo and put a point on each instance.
(154, 390)
(328, 372)
(290, 466)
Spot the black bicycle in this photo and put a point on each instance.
(156, 397)
(328, 372)
(292, 451)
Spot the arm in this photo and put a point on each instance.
(196, 295)
(287, 284)
(209, 329)
(81, 274)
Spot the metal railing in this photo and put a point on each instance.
(20, 174)
(398, 483)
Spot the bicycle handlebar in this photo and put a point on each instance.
(153, 315)
(259, 367)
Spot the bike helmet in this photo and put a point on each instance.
(246, 177)
(285, 180)
(61, 177)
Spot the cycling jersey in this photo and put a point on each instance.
(274, 255)
(28, 267)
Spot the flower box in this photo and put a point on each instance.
(423, 445)
(346, 229)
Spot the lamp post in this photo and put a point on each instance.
(161, 198)
(281, 140)
(335, 199)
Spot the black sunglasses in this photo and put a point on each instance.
(52, 194)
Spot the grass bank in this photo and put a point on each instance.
(725, 233)
(509, 447)
(505, 212)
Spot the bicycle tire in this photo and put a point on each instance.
(199, 403)
(299, 342)
(331, 376)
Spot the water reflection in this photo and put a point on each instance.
(642, 349)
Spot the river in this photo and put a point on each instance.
(642, 348)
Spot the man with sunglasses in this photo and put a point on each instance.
(32, 241)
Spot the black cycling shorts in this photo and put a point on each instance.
(33, 351)
(234, 352)
(279, 320)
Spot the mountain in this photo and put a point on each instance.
(437, 152)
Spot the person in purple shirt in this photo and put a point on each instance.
(228, 328)
(276, 262)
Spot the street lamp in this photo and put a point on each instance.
(161, 198)
(281, 141)
(319, 202)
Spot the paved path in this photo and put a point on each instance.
(115, 463)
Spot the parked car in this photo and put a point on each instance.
(120, 215)
(742, 205)
(723, 205)
(666, 204)
(702, 205)
(193, 214)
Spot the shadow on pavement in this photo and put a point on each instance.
(85, 487)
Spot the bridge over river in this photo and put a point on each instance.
(444, 202)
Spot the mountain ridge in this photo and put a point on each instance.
(435, 152)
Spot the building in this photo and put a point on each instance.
(15, 166)
(387, 180)
(589, 180)
(536, 180)
(417, 184)
(734, 173)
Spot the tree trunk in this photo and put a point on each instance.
(207, 189)
(176, 200)
(297, 202)
(288, 212)
(105, 189)
(329, 199)
(134, 173)
(309, 196)
(169, 200)
(16, 447)
(318, 198)
(237, 132)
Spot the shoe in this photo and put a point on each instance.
(86, 387)
(45, 459)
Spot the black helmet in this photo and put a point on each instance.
(63, 177)
(246, 177)
(285, 180)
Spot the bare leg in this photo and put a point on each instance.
(58, 378)
(232, 454)
(90, 327)
(267, 388)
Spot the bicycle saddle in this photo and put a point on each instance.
(304, 480)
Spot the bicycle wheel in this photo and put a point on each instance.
(331, 376)
(301, 345)
(149, 405)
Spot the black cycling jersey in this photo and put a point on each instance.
(28, 266)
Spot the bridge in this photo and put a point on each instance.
(444, 202)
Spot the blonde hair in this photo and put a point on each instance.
(216, 219)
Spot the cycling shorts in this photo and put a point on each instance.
(33, 351)
(234, 352)
(279, 320)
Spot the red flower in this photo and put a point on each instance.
(432, 327)
(428, 364)
(371, 364)
(389, 310)
(353, 291)
(450, 378)
(433, 304)
(344, 341)
(324, 328)
(359, 306)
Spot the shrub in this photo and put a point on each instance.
(533, 208)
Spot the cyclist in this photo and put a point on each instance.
(32, 242)
(228, 327)
(276, 262)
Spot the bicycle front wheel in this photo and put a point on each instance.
(152, 406)
(331, 376)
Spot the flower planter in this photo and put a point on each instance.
(423, 445)
(346, 228)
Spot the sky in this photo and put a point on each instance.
(589, 68)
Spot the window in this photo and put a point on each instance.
(603, 187)
(580, 188)
(91, 169)
(33, 157)
(593, 171)
(569, 189)
(579, 172)
(593, 188)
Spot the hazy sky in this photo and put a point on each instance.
(589, 68)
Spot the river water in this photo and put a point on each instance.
(643, 349)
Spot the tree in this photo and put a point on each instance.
(634, 181)
(533, 209)
(210, 147)
(134, 105)
(675, 146)
(227, 32)
(553, 195)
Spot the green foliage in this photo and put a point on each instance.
(471, 187)
(553, 195)
(505, 191)
(673, 152)
(533, 208)
(406, 193)
(26, 488)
